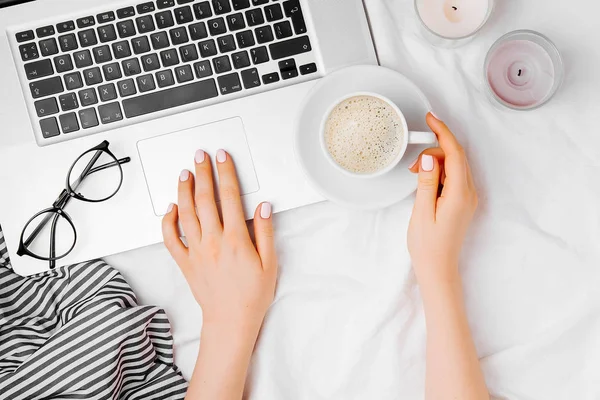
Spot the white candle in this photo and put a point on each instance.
(453, 19)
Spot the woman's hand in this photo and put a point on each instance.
(440, 219)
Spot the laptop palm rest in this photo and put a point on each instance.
(163, 157)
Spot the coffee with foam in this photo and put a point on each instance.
(364, 134)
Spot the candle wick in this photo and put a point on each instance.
(454, 8)
(519, 74)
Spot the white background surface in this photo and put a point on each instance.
(348, 323)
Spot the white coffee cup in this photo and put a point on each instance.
(408, 137)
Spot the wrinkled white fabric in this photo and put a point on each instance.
(348, 323)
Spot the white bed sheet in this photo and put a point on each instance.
(347, 322)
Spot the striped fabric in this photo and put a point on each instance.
(77, 332)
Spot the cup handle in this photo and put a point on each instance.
(421, 137)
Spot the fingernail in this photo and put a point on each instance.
(170, 208)
(265, 210)
(435, 116)
(412, 164)
(221, 156)
(427, 163)
(184, 176)
(199, 157)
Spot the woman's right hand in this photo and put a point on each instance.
(440, 219)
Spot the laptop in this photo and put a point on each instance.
(158, 80)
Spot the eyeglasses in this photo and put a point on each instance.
(94, 177)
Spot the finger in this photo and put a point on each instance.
(206, 208)
(187, 208)
(171, 237)
(455, 161)
(427, 189)
(263, 233)
(229, 192)
(437, 152)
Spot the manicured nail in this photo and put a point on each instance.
(170, 208)
(221, 156)
(435, 116)
(199, 157)
(412, 164)
(427, 163)
(265, 210)
(184, 176)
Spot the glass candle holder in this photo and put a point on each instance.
(452, 23)
(523, 70)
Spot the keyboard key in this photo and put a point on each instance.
(270, 78)
(110, 113)
(68, 101)
(203, 69)
(107, 33)
(184, 74)
(29, 51)
(188, 53)
(126, 12)
(126, 88)
(264, 34)
(159, 40)
(285, 65)
(217, 26)
(87, 38)
(73, 81)
(87, 97)
(66, 26)
(68, 122)
(107, 92)
(112, 71)
(38, 69)
(290, 47)
(140, 45)
(259, 55)
(126, 28)
(293, 11)
(102, 54)
(207, 48)
(245, 39)
(88, 118)
(236, 22)
(82, 58)
(202, 10)
(283, 29)
(198, 31)
(85, 22)
(49, 127)
(226, 43)
(145, 83)
(145, 24)
(240, 4)
(169, 58)
(121, 49)
(145, 8)
(221, 6)
(63, 63)
(240, 60)
(251, 78)
(164, 19)
(131, 67)
(25, 36)
(165, 78)
(45, 31)
(229, 83)
(259, 2)
(150, 62)
(308, 68)
(255, 17)
(173, 97)
(92, 76)
(46, 107)
(183, 15)
(67, 42)
(179, 36)
(289, 73)
(273, 12)
(48, 47)
(222, 64)
(161, 4)
(184, 1)
(105, 17)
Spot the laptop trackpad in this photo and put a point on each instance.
(163, 158)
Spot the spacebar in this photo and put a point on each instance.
(177, 96)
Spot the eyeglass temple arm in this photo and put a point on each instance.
(60, 204)
(53, 242)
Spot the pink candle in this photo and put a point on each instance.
(523, 70)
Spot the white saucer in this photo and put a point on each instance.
(334, 185)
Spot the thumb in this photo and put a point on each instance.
(427, 189)
(263, 234)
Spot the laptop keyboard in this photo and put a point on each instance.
(90, 72)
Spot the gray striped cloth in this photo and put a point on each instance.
(77, 332)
